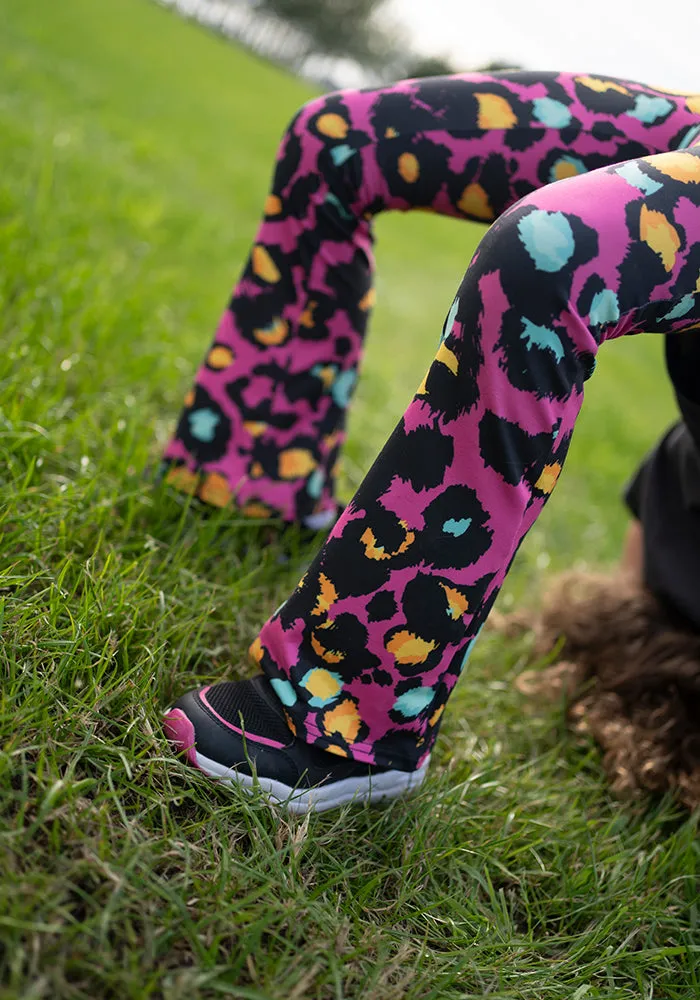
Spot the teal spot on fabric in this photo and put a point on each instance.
(284, 691)
(604, 308)
(690, 137)
(341, 154)
(649, 109)
(335, 201)
(316, 701)
(315, 483)
(203, 424)
(681, 308)
(542, 337)
(551, 112)
(343, 386)
(449, 322)
(548, 238)
(412, 703)
(457, 528)
(633, 174)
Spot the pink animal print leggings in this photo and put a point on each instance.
(595, 186)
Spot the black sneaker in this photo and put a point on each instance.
(236, 731)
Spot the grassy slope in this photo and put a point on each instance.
(136, 151)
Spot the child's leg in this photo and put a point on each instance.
(366, 650)
(265, 420)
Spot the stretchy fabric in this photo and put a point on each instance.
(367, 649)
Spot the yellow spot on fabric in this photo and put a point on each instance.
(254, 508)
(406, 647)
(329, 655)
(307, 317)
(563, 169)
(368, 300)
(295, 463)
(272, 335)
(601, 86)
(680, 166)
(422, 389)
(495, 112)
(390, 133)
(273, 205)
(342, 719)
(658, 233)
(448, 358)
(255, 427)
(215, 490)
(456, 601)
(181, 477)
(548, 478)
(693, 104)
(333, 126)
(322, 684)
(189, 398)
(435, 717)
(475, 202)
(220, 357)
(264, 266)
(255, 650)
(327, 596)
(409, 167)
(697, 284)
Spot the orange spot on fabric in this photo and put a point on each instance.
(409, 167)
(220, 357)
(448, 358)
(475, 202)
(327, 375)
(333, 126)
(368, 300)
(181, 477)
(435, 717)
(457, 603)
(189, 398)
(336, 750)
(693, 104)
(390, 133)
(342, 719)
(658, 233)
(373, 550)
(257, 509)
(273, 205)
(295, 463)
(495, 112)
(548, 478)
(255, 427)
(272, 335)
(327, 596)
(290, 723)
(307, 317)
(264, 266)
(255, 650)
(406, 647)
(328, 655)
(601, 86)
(215, 490)
(256, 470)
(681, 166)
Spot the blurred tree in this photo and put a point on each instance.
(427, 66)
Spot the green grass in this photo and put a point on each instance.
(136, 154)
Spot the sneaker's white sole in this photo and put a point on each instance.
(379, 787)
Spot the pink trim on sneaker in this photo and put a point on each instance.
(180, 731)
(248, 736)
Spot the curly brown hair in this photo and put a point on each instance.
(629, 669)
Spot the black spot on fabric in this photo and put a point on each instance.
(426, 607)
(587, 361)
(296, 203)
(642, 269)
(204, 428)
(520, 139)
(289, 161)
(421, 456)
(570, 133)
(455, 533)
(260, 411)
(399, 747)
(343, 346)
(522, 188)
(509, 450)
(345, 636)
(396, 113)
(603, 131)
(608, 102)
(548, 372)
(593, 286)
(254, 313)
(413, 168)
(381, 677)
(381, 607)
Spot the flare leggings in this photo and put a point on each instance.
(594, 184)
